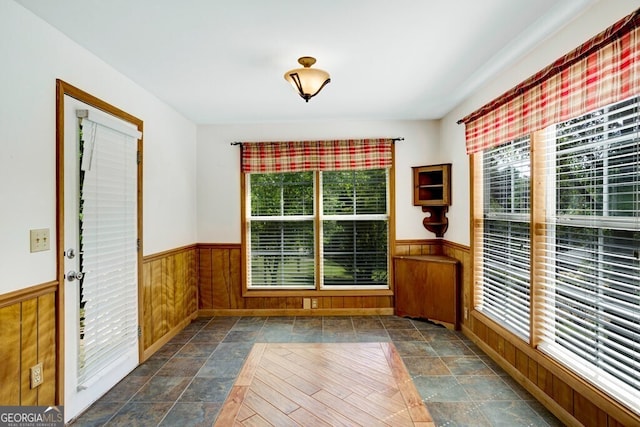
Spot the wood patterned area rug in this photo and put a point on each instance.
(329, 384)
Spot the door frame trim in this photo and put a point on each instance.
(63, 88)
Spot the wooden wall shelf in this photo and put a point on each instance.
(437, 221)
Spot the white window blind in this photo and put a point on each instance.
(504, 250)
(280, 230)
(108, 242)
(591, 297)
(354, 228)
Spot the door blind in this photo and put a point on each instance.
(108, 248)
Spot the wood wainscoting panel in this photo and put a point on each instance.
(418, 247)
(47, 347)
(226, 277)
(463, 255)
(28, 337)
(588, 413)
(205, 277)
(29, 351)
(10, 368)
(169, 296)
(220, 280)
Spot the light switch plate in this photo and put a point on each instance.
(39, 240)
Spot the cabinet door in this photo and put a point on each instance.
(410, 292)
(426, 287)
(441, 289)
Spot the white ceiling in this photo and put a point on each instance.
(223, 61)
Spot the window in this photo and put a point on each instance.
(591, 253)
(578, 183)
(503, 287)
(352, 239)
(281, 230)
(355, 229)
(317, 215)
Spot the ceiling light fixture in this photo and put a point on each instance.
(307, 81)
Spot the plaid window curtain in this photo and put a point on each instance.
(330, 155)
(604, 70)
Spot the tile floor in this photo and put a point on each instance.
(186, 382)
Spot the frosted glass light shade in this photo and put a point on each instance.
(307, 81)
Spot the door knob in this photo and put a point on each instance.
(72, 275)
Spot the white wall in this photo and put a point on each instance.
(452, 145)
(33, 55)
(219, 168)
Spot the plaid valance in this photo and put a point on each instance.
(604, 70)
(296, 156)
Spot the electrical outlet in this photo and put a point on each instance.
(37, 377)
(314, 302)
(39, 240)
(306, 303)
(466, 313)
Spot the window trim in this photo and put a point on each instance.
(326, 292)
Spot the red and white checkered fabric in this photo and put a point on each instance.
(296, 156)
(604, 70)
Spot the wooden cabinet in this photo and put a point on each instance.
(432, 191)
(426, 286)
(432, 185)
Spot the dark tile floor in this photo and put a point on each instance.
(186, 382)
